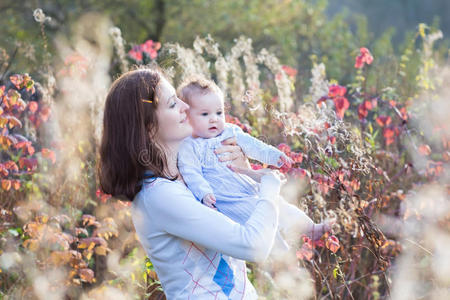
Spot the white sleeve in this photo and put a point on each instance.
(175, 211)
(256, 149)
(191, 170)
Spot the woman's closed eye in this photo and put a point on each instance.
(173, 104)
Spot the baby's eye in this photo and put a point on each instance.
(204, 114)
(219, 113)
(173, 104)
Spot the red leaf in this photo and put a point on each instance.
(332, 243)
(16, 184)
(3, 170)
(28, 163)
(47, 153)
(6, 184)
(14, 122)
(10, 165)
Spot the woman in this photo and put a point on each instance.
(197, 252)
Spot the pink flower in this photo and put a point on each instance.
(365, 57)
(291, 72)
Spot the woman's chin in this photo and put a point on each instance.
(186, 129)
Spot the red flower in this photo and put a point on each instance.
(255, 166)
(306, 252)
(364, 58)
(102, 196)
(384, 120)
(291, 72)
(136, 54)
(362, 111)
(296, 157)
(341, 104)
(336, 90)
(149, 47)
(299, 173)
(389, 135)
(285, 148)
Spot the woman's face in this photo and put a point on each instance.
(171, 112)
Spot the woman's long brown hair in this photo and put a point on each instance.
(128, 146)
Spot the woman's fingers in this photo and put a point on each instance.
(229, 141)
(232, 153)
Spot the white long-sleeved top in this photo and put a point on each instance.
(236, 194)
(197, 252)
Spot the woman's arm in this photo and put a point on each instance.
(177, 212)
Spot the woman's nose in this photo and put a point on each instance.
(184, 106)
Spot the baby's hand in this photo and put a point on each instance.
(285, 160)
(210, 201)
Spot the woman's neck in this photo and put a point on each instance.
(171, 152)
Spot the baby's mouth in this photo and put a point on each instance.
(213, 128)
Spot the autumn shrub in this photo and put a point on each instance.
(365, 154)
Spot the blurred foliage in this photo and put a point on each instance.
(362, 117)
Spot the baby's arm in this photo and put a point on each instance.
(258, 150)
(191, 170)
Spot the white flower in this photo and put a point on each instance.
(39, 16)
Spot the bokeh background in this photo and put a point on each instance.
(355, 92)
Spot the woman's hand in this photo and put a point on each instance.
(233, 154)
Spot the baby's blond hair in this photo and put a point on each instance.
(197, 85)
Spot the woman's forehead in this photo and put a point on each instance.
(164, 90)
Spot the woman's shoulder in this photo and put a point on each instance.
(159, 184)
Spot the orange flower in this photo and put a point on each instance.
(389, 135)
(384, 120)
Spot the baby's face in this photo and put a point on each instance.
(206, 115)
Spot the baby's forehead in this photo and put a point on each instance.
(208, 99)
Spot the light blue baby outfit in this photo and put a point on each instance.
(236, 194)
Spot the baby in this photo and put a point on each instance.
(210, 180)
